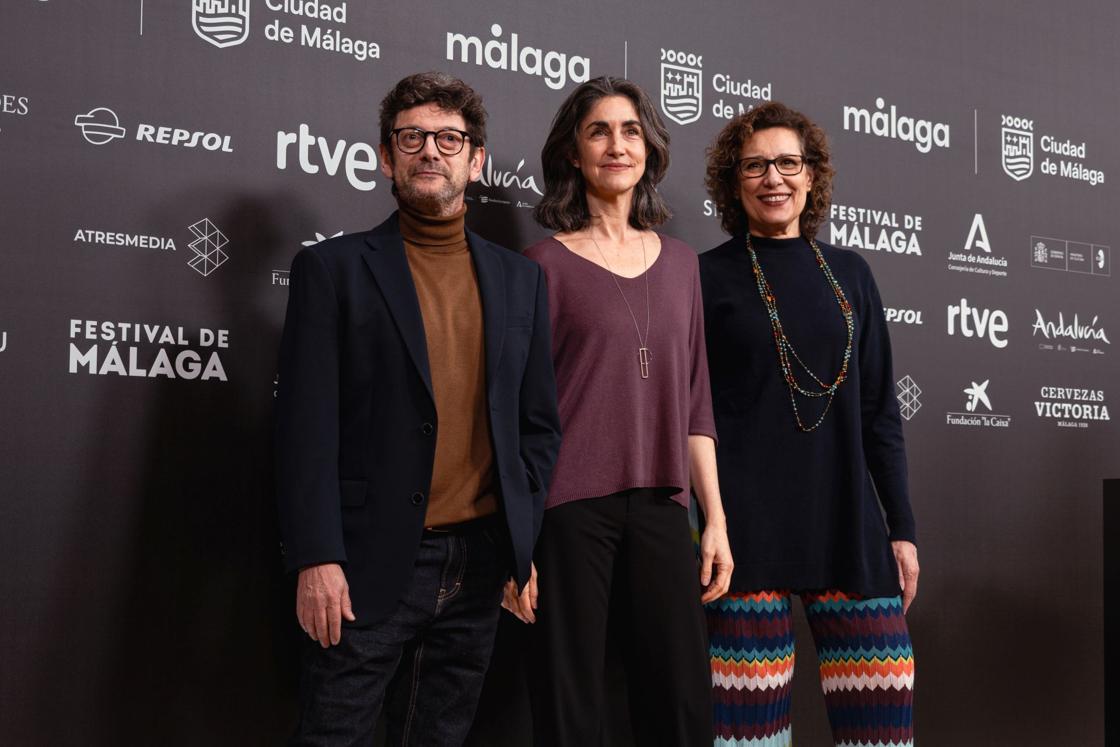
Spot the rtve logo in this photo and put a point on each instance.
(977, 322)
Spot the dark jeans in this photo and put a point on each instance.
(425, 662)
(627, 554)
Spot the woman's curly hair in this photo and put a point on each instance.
(722, 176)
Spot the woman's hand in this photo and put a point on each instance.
(522, 605)
(906, 555)
(715, 554)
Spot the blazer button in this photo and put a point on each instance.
(417, 498)
(427, 429)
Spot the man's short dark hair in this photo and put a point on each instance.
(446, 91)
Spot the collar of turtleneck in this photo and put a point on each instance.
(431, 232)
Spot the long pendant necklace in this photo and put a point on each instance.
(644, 356)
(785, 348)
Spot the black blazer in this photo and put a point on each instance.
(356, 423)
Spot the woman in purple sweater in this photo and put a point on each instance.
(635, 409)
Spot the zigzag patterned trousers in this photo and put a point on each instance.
(867, 668)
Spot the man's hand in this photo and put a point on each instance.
(322, 600)
(715, 554)
(522, 605)
(906, 555)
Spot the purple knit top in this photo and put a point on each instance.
(622, 431)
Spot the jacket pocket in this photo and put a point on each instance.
(353, 492)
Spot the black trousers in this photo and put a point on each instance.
(425, 662)
(629, 553)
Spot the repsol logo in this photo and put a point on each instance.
(184, 138)
(883, 122)
(557, 68)
(903, 316)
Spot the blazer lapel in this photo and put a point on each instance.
(386, 259)
(492, 289)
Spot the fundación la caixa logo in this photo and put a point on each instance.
(282, 277)
(223, 23)
(977, 401)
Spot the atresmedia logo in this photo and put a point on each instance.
(208, 248)
(908, 394)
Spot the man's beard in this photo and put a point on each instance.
(430, 202)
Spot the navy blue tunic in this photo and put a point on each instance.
(805, 511)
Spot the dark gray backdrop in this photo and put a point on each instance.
(141, 598)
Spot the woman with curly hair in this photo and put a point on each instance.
(635, 410)
(811, 456)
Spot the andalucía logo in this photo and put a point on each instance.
(207, 247)
(1018, 147)
(223, 23)
(100, 126)
(682, 80)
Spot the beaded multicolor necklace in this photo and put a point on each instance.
(785, 348)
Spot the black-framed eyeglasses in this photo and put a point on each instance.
(786, 164)
(448, 141)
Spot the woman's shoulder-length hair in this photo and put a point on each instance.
(722, 177)
(564, 204)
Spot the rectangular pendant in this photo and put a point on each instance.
(643, 361)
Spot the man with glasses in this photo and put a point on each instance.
(416, 434)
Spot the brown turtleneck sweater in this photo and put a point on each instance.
(462, 478)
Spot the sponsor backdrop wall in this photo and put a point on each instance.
(161, 162)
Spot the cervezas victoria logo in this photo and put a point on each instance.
(682, 85)
(1071, 407)
(223, 23)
